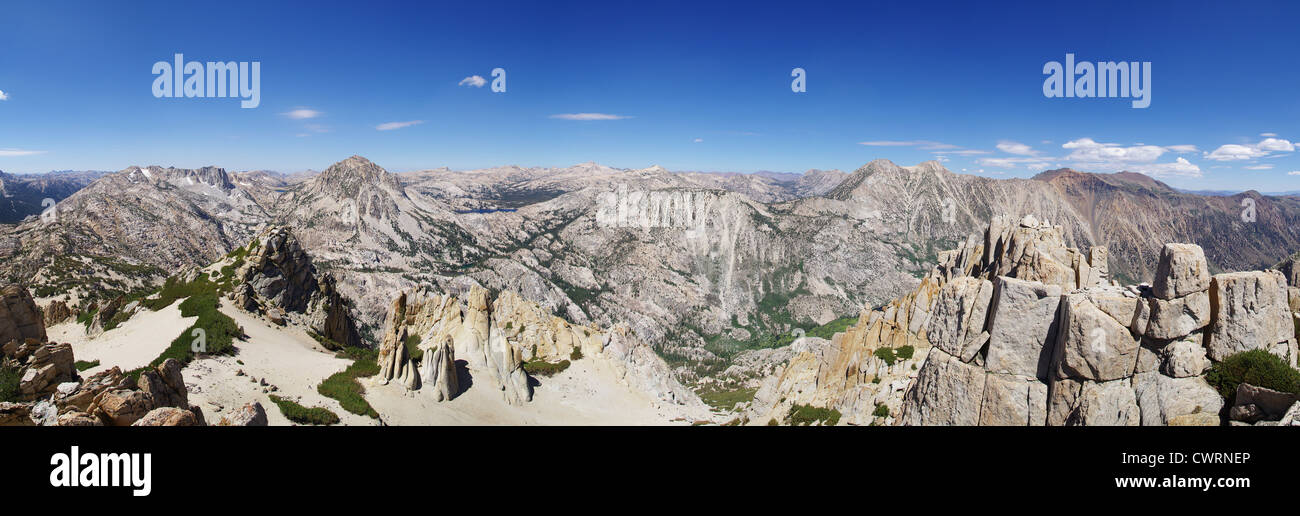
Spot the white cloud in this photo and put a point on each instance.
(473, 80)
(389, 126)
(4, 96)
(1181, 149)
(964, 152)
(922, 144)
(1113, 157)
(1016, 148)
(6, 153)
(1259, 167)
(302, 114)
(1032, 162)
(1293, 173)
(1268, 135)
(699, 140)
(1234, 152)
(588, 116)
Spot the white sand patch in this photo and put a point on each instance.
(131, 345)
(285, 357)
(587, 393)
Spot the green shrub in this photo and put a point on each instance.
(1256, 367)
(544, 368)
(413, 347)
(723, 399)
(881, 411)
(906, 352)
(303, 415)
(806, 415)
(83, 365)
(344, 387)
(9, 379)
(577, 353)
(886, 354)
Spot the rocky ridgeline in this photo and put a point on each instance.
(52, 393)
(277, 279)
(1021, 330)
(496, 336)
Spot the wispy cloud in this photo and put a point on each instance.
(588, 116)
(302, 114)
(1234, 152)
(920, 144)
(1268, 135)
(1016, 148)
(389, 126)
(6, 153)
(4, 96)
(699, 140)
(1264, 166)
(1182, 149)
(1293, 173)
(476, 81)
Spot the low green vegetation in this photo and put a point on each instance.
(726, 399)
(303, 415)
(805, 415)
(9, 379)
(217, 330)
(881, 410)
(327, 342)
(886, 354)
(905, 352)
(413, 347)
(1256, 367)
(576, 354)
(344, 387)
(83, 365)
(544, 368)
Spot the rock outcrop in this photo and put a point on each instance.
(1050, 343)
(278, 278)
(251, 414)
(494, 336)
(20, 318)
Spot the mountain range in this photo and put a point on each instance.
(760, 258)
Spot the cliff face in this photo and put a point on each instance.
(494, 336)
(1018, 329)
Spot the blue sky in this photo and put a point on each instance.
(689, 86)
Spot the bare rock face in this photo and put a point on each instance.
(957, 322)
(121, 407)
(505, 365)
(15, 414)
(20, 318)
(1021, 327)
(1105, 404)
(82, 394)
(1163, 398)
(279, 275)
(1250, 310)
(168, 416)
(251, 414)
(1012, 400)
(1178, 317)
(1183, 359)
(48, 366)
(1253, 403)
(947, 392)
(395, 363)
(78, 418)
(439, 371)
(1182, 271)
(57, 312)
(1092, 344)
(165, 385)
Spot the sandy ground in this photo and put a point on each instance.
(131, 345)
(285, 357)
(292, 364)
(587, 393)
